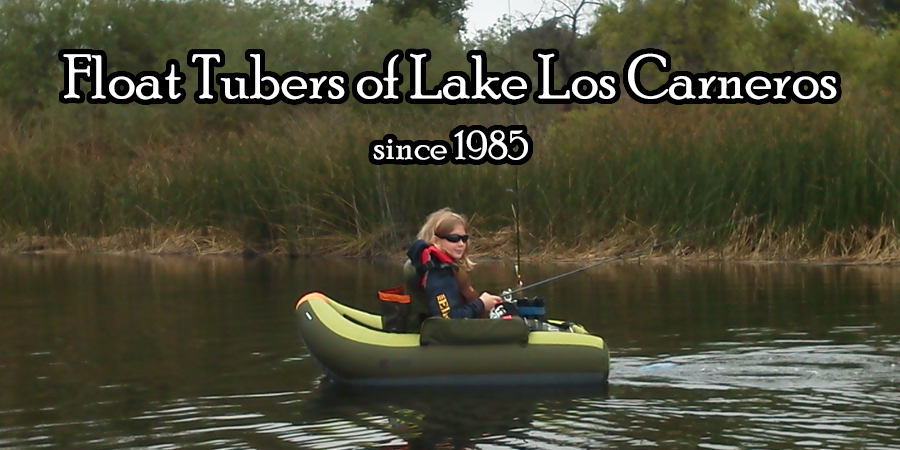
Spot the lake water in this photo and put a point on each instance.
(111, 352)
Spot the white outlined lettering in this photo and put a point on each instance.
(756, 88)
(82, 65)
(545, 78)
(585, 87)
(633, 70)
(391, 150)
(209, 59)
(377, 81)
(497, 145)
(417, 59)
(476, 86)
(456, 87)
(264, 87)
(145, 88)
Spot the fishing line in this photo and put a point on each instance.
(633, 253)
(516, 205)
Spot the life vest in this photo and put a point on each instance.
(437, 272)
(434, 258)
(404, 307)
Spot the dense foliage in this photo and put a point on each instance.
(283, 173)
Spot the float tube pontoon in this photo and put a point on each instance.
(351, 347)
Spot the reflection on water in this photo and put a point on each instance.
(137, 352)
(420, 418)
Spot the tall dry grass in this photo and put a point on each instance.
(608, 177)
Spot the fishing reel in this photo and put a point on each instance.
(528, 308)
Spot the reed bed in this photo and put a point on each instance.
(603, 180)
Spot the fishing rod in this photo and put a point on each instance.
(509, 293)
(516, 206)
(515, 211)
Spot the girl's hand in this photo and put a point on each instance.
(490, 300)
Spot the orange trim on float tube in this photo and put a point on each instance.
(311, 295)
(396, 294)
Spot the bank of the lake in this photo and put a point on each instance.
(864, 246)
(817, 181)
(600, 179)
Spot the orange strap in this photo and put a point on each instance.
(396, 294)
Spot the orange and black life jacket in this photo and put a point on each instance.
(437, 277)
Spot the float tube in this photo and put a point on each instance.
(350, 347)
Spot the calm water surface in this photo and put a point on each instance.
(139, 352)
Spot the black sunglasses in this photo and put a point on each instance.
(454, 238)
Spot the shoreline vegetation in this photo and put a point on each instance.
(821, 180)
(864, 247)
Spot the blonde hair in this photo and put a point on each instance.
(443, 221)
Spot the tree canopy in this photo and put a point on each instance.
(450, 12)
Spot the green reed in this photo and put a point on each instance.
(819, 167)
(596, 172)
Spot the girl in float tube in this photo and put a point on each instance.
(440, 258)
